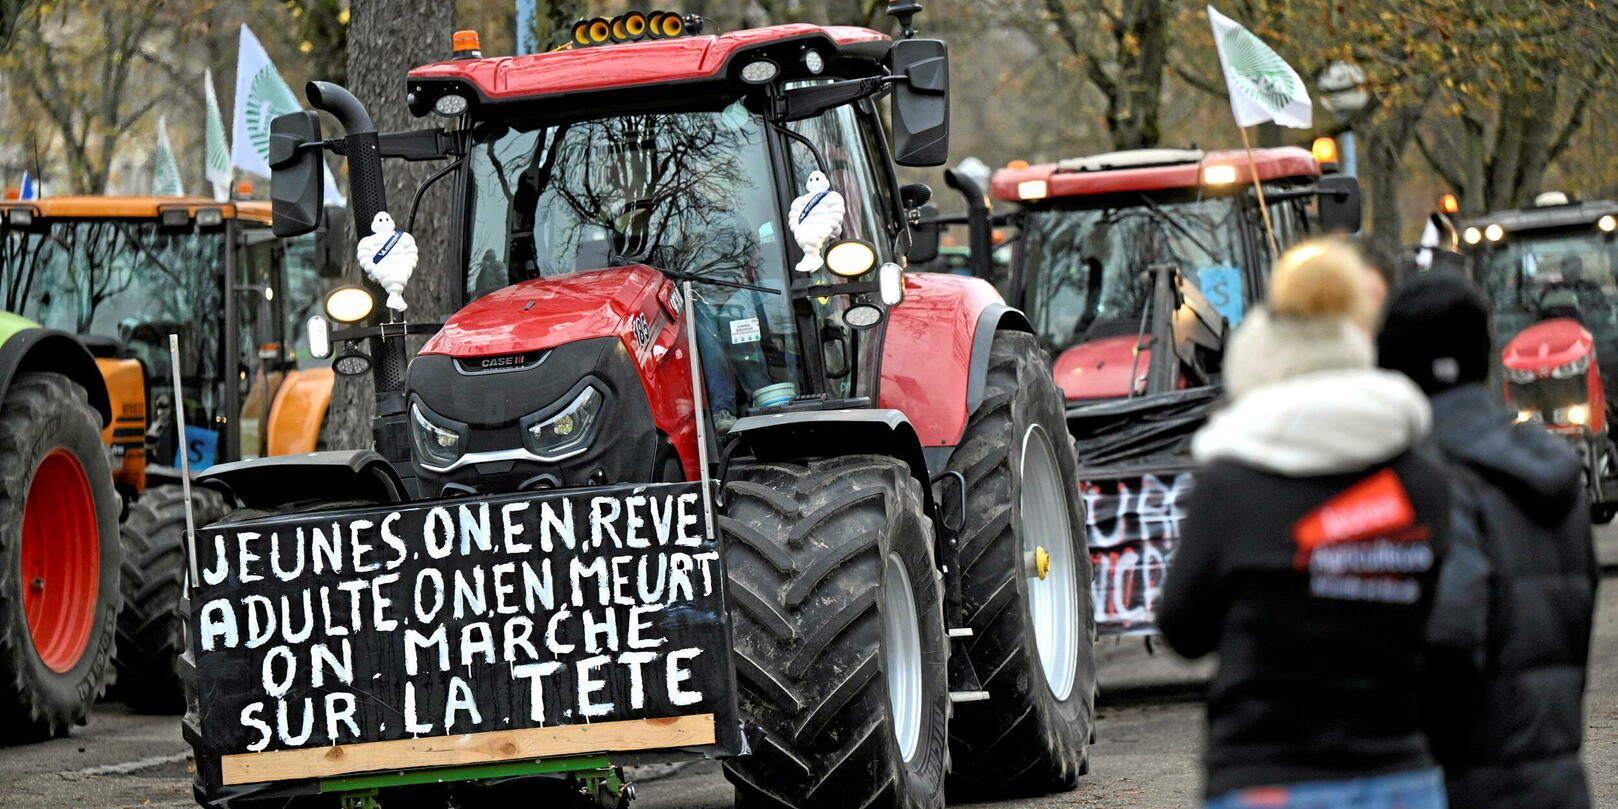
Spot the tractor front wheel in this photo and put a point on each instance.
(839, 634)
(59, 557)
(150, 632)
(1025, 571)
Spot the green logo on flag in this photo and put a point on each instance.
(1258, 72)
(267, 97)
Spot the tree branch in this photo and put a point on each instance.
(1575, 122)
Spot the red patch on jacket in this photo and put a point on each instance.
(1375, 506)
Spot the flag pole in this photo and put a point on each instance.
(1258, 188)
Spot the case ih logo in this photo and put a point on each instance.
(498, 362)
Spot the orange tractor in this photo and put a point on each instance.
(117, 275)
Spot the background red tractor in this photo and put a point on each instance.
(1132, 267)
(899, 500)
(1550, 271)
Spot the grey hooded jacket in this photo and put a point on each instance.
(1507, 725)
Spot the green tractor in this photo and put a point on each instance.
(59, 551)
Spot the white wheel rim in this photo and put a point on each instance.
(1053, 602)
(901, 634)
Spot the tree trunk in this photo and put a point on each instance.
(553, 22)
(386, 38)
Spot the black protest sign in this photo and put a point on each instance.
(461, 616)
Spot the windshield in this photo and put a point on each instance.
(1086, 269)
(689, 192)
(1530, 279)
(129, 282)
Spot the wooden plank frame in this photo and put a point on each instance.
(470, 748)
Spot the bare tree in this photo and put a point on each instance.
(386, 38)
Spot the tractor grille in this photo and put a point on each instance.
(488, 406)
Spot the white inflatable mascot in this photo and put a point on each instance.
(388, 256)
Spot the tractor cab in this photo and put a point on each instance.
(1550, 273)
(1112, 244)
(1133, 267)
(125, 272)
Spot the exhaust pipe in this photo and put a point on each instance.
(368, 197)
(979, 228)
(360, 145)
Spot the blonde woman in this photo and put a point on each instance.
(1310, 555)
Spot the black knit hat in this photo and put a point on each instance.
(1436, 331)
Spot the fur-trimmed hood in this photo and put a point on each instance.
(1320, 423)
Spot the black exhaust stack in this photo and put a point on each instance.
(360, 144)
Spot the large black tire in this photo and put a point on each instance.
(1025, 738)
(808, 550)
(45, 418)
(150, 632)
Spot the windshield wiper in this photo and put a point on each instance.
(1164, 215)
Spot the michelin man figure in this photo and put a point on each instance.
(816, 218)
(388, 256)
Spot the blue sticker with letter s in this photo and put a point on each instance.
(1222, 286)
(201, 445)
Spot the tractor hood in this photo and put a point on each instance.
(1101, 369)
(547, 312)
(1547, 345)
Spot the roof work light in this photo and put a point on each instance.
(1219, 174)
(1033, 189)
(634, 26)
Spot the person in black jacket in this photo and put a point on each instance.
(1309, 555)
(1508, 731)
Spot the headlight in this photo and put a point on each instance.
(1472, 235)
(450, 105)
(1573, 414)
(349, 304)
(436, 445)
(1526, 415)
(1494, 232)
(1572, 369)
(850, 258)
(1521, 376)
(567, 433)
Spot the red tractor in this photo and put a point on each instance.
(1550, 271)
(898, 496)
(1132, 267)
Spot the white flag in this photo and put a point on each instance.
(216, 156)
(165, 172)
(1263, 87)
(261, 95)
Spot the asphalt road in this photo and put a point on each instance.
(1150, 732)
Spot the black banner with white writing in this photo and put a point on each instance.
(1133, 527)
(460, 616)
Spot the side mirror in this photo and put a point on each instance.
(297, 179)
(924, 237)
(1341, 205)
(920, 102)
(915, 195)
